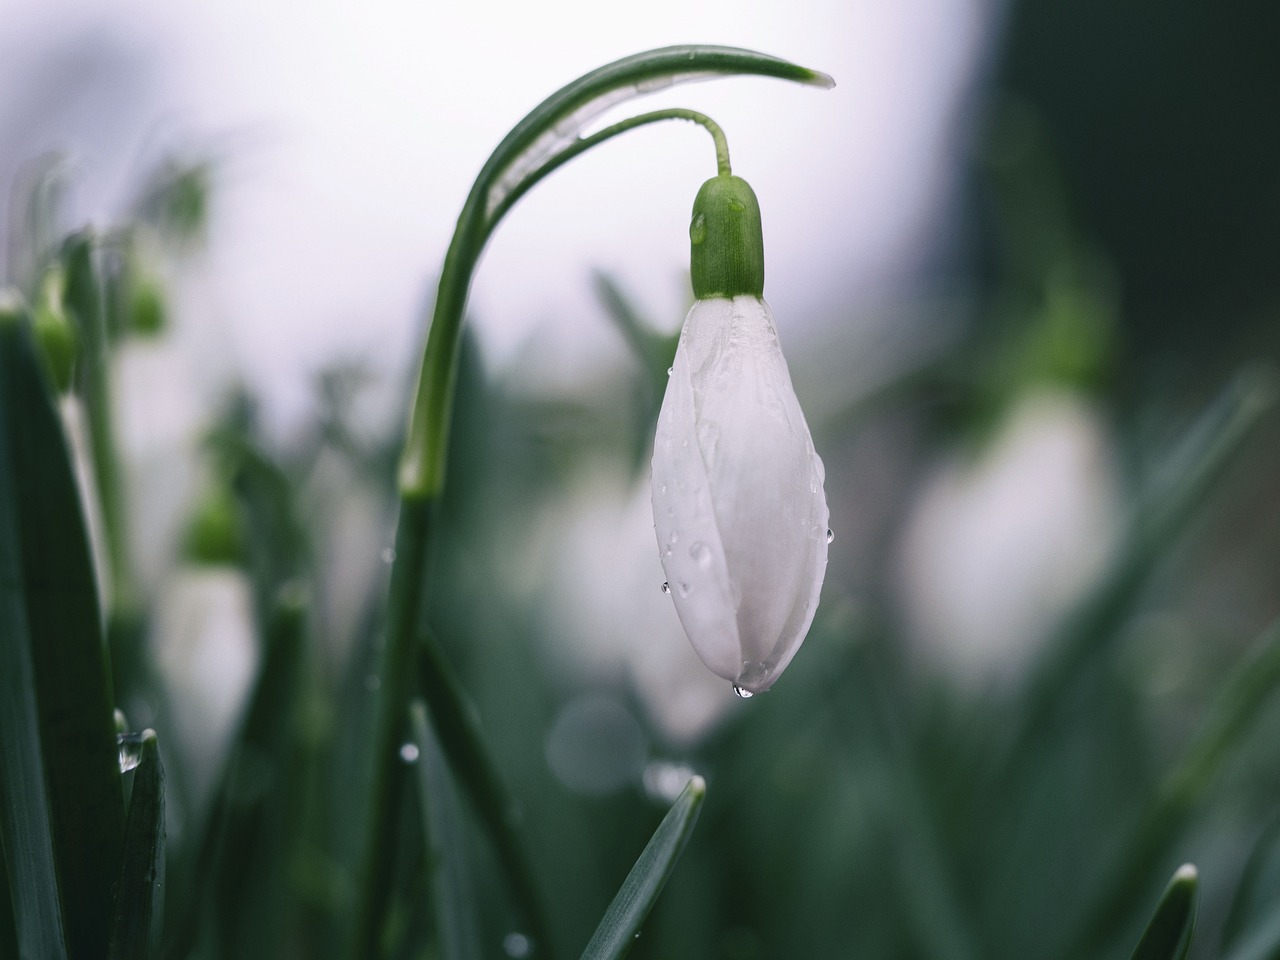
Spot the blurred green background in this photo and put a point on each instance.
(1052, 463)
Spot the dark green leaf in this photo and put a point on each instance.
(140, 901)
(51, 612)
(1258, 895)
(1168, 934)
(621, 924)
(455, 906)
(456, 725)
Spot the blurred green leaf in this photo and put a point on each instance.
(1237, 704)
(456, 724)
(62, 780)
(235, 851)
(621, 924)
(455, 905)
(139, 910)
(1178, 496)
(1257, 898)
(1168, 934)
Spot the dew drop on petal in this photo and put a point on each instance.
(743, 692)
(670, 371)
(409, 752)
(675, 536)
(701, 554)
(830, 535)
(666, 587)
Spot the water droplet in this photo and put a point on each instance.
(670, 371)
(698, 229)
(743, 692)
(666, 587)
(701, 554)
(830, 535)
(388, 554)
(409, 752)
(517, 946)
(130, 747)
(675, 536)
(684, 588)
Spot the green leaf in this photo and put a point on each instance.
(455, 907)
(458, 729)
(1258, 896)
(621, 924)
(139, 913)
(235, 839)
(1168, 934)
(64, 809)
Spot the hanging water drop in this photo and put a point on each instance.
(670, 371)
(743, 692)
(130, 747)
(409, 752)
(666, 587)
(830, 535)
(701, 555)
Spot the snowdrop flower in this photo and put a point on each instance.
(738, 504)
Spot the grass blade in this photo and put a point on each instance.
(51, 610)
(1235, 707)
(621, 924)
(227, 861)
(140, 900)
(459, 732)
(1168, 934)
(442, 825)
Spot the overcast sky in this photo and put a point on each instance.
(349, 136)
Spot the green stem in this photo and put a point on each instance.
(608, 133)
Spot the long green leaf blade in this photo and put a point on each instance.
(621, 923)
(455, 910)
(48, 574)
(455, 723)
(1168, 934)
(26, 833)
(135, 934)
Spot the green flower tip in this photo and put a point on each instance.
(697, 787)
(726, 240)
(1186, 874)
(817, 78)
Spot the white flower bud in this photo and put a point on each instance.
(738, 503)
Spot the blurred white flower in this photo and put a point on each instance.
(997, 548)
(738, 503)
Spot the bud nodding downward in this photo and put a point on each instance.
(726, 240)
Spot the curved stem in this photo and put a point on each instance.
(584, 144)
(544, 133)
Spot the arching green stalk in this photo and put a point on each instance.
(540, 143)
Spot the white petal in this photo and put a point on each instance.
(738, 503)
